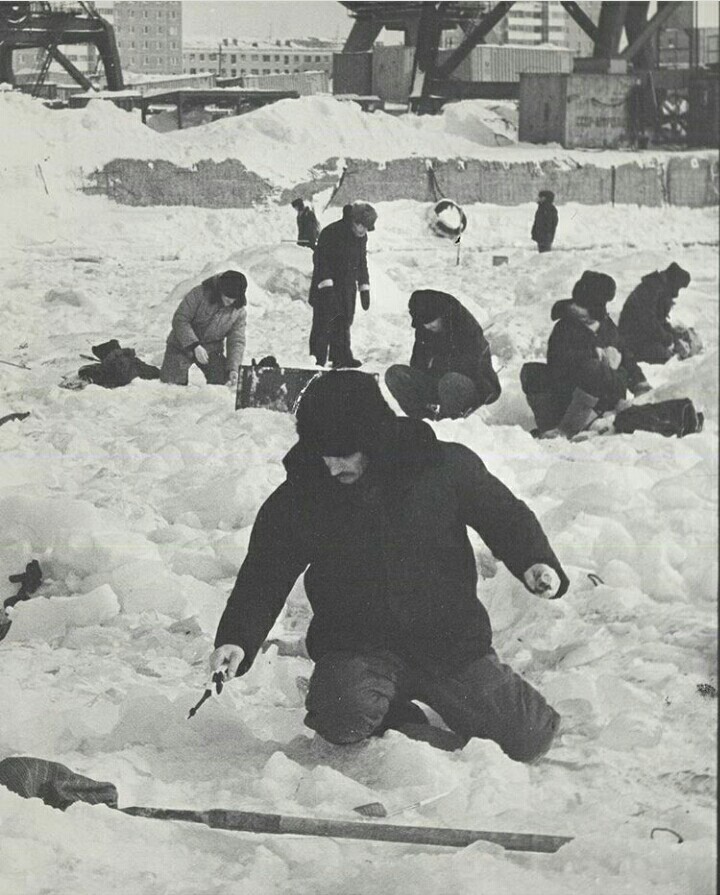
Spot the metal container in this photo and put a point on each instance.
(352, 73)
(505, 64)
(593, 111)
(306, 83)
(392, 72)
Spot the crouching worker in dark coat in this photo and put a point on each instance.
(339, 271)
(644, 322)
(589, 369)
(375, 511)
(210, 314)
(450, 372)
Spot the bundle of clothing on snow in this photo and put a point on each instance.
(116, 366)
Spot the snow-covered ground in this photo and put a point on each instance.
(138, 504)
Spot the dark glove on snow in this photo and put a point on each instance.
(29, 582)
(365, 299)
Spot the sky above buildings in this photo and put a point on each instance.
(270, 19)
(328, 19)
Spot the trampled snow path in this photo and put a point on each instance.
(150, 491)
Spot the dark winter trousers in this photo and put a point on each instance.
(414, 390)
(330, 332)
(177, 362)
(544, 246)
(351, 695)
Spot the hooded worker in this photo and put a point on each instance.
(644, 320)
(545, 222)
(451, 372)
(339, 271)
(374, 511)
(209, 321)
(590, 368)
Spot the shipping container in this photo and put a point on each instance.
(352, 73)
(306, 83)
(392, 72)
(505, 64)
(591, 111)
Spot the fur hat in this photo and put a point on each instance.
(342, 412)
(233, 284)
(593, 291)
(426, 305)
(297, 204)
(547, 194)
(676, 277)
(363, 213)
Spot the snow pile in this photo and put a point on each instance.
(138, 504)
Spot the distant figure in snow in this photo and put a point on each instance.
(546, 221)
(451, 372)
(308, 226)
(375, 511)
(339, 270)
(590, 368)
(209, 315)
(644, 322)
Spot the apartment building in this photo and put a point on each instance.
(149, 36)
(231, 58)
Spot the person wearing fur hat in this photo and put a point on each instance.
(451, 372)
(545, 222)
(644, 320)
(589, 365)
(308, 226)
(339, 270)
(209, 315)
(374, 510)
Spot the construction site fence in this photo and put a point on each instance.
(685, 180)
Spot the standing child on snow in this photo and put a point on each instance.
(451, 372)
(308, 226)
(340, 269)
(546, 221)
(209, 315)
(375, 511)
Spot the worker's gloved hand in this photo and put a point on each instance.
(542, 581)
(227, 659)
(641, 387)
(365, 299)
(682, 349)
(613, 358)
(232, 380)
(201, 355)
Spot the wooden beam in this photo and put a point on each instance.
(652, 27)
(476, 36)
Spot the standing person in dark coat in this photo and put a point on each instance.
(546, 221)
(590, 368)
(308, 226)
(340, 269)
(644, 322)
(209, 316)
(450, 372)
(375, 511)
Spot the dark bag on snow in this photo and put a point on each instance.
(118, 366)
(52, 782)
(675, 417)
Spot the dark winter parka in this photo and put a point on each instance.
(202, 319)
(644, 323)
(388, 563)
(461, 347)
(545, 223)
(573, 361)
(308, 227)
(340, 257)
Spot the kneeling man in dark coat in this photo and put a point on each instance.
(374, 511)
(451, 372)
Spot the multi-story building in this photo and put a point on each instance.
(149, 36)
(532, 22)
(231, 58)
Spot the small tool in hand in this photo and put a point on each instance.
(217, 679)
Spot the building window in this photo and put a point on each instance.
(233, 58)
(193, 71)
(233, 72)
(201, 57)
(266, 59)
(286, 59)
(254, 71)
